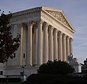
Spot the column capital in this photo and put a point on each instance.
(51, 29)
(67, 36)
(31, 23)
(71, 39)
(55, 30)
(60, 33)
(39, 24)
(64, 35)
(21, 24)
(39, 21)
(45, 25)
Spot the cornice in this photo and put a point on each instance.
(45, 9)
(68, 21)
(26, 12)
(51, 9)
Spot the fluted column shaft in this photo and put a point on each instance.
(55, 45)
(70, 45)
(60, 46)
(36, 42)
(51, 43)
(39, 52)
(30, 42)
(64, 48)
(21, 44)
(45, 46)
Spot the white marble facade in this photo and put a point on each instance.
(46, 34)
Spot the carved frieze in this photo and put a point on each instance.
(58, 16)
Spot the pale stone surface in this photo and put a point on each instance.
(45, 44)
(42, 39)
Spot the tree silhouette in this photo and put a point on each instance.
(55, 67)
(8, 44)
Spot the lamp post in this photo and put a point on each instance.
(23, 73)
(23, 69)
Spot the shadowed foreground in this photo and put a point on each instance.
(54, 79)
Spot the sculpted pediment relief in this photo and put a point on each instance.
(59, 16)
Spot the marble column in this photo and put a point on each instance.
(70, 45)
(39, 52)
(30, 25)
(60, 46)
(21, 44)
(55, 45)
(68, 42)
(64, 48)
(45, 46)
(18, 53)
(36, 43)
(51, 43)
(24, 43)
(67, 46)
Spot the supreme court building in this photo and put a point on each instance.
(46, 34)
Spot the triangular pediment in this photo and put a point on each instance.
(59, 15)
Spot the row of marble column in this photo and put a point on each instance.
(44, 42)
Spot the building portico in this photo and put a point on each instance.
(46, 34)
(44, 43)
